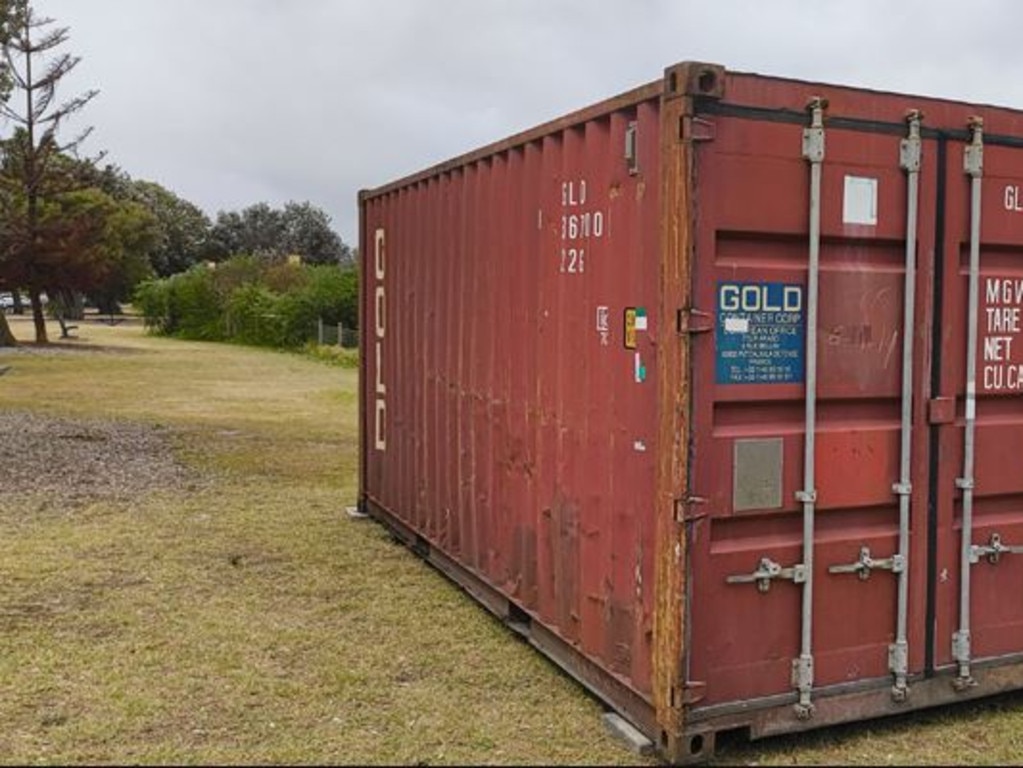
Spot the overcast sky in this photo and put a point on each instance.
(232, 102)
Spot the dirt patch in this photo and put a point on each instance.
(81, 460)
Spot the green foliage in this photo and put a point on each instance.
(249, 301)
(329, 293)
(254, 316)
(182, 228)
(9, 19)
(285, 277)
(196, 306)
(75, 239)
(299, 229)
(186, 305)
(343, 358)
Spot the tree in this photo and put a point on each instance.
(182, 228)
(299, 228)
(226, 235)
(256, 231)
(308, 234)
(8, 20)
(37, 177)
(86, 241)
(98, 245)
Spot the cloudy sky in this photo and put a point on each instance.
(232, 102)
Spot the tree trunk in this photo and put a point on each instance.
(19, 307)
(68, 304)
(78, 304)
(38, 317)
(6, 337)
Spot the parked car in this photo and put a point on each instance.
(6, 301)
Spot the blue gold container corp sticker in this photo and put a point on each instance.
(760, 333)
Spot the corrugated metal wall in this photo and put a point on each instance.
(518, 431)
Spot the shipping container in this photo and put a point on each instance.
(712, 392)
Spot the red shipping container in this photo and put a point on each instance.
(712, 391)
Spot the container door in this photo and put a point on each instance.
(979, 531)
(766, 616)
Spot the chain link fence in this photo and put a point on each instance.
(329, 334)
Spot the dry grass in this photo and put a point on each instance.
(249, 621)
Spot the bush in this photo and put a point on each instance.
(185, 305)
(345, 358)
(151, 301)
(195, 309)
(253, 316)
(247, 301)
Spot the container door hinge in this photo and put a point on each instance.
(694, 321)
(898, 665)
(802, 680)
(961, 653)
(684, 509)
(766, 572)
(693, 692)
(698, 129)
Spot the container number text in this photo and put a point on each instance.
(579, 226)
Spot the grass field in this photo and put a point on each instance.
(244, 618)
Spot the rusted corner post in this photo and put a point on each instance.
(683, 85)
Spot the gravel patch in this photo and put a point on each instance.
(80, 460)
(57, 349)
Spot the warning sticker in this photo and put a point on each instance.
(635, 320)
(760, 333)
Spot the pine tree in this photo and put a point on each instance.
(34, 69)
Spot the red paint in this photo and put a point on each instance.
(520, 443)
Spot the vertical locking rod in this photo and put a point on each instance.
(910, 160)
(973, 166)
(813, 151)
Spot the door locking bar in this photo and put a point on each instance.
(973, 166)
(993, 550)
(813, 153)
(910, 159)
(766, 572)
(866, 565)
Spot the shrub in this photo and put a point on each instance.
(195, 309)
(253, 316)
(151, 301)
(238, 271)
(344, 358)
(285, 277)
(248, 301)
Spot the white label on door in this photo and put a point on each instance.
(736, 325)
(859, 204)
